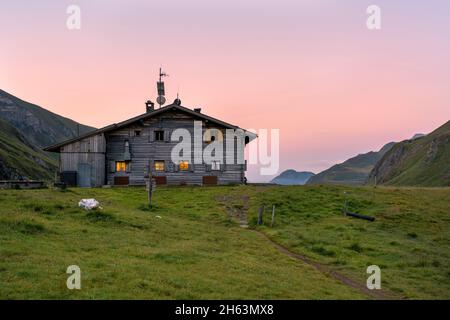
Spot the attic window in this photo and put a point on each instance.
(137, 133)
(159, 135)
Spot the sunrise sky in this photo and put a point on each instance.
(310, 68)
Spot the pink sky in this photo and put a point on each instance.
(309, 68)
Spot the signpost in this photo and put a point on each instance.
(150, 186)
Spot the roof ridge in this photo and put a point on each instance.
(121, 124)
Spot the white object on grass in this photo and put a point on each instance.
(89, 204)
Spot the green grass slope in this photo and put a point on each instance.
(420, 162)
(38, 125)
(409, 240)
(20, 160)
(353, 171)
(185, 248)
(190, 247)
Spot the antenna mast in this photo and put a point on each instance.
(160, 86)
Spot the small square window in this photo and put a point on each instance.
(159, 165)
(121, 166)
(137, 133)
(159, 135)
(184, 165)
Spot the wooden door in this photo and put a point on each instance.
(210, 180)
(160, 181)
(121, 181)
(84, 175)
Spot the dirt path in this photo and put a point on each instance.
(376, 294)
(237, 208)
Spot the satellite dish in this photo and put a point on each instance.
(161, 100)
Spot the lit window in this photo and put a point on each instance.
(121, 166)
(215, 165)
(159, 135)
(159, 165)
(184, 165)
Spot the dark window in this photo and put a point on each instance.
(159, 135)
(137, 133)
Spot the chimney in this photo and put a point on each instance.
(149, 106)
(198, 110)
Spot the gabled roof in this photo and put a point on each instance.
(115, 126)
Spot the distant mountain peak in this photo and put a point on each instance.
(353, 171)
(292, 177)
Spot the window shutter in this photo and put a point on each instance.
(152, 136)
(112, 166)
(191, 167)
(150, 168)
(128, 166)
(167, 135)
(222, 166)
(207, 167)
(166, 166)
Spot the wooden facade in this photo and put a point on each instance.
(123, 154)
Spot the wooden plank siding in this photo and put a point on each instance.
(102, 150)
(90, 151)
(144, 151)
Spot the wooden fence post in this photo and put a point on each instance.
(273, 216)
(260, 215)
(150, 187)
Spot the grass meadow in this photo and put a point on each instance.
(189, 245)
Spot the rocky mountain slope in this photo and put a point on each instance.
(354, 171)
(424, 161)
(24, 129)
(19, 159)
(39, 126)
